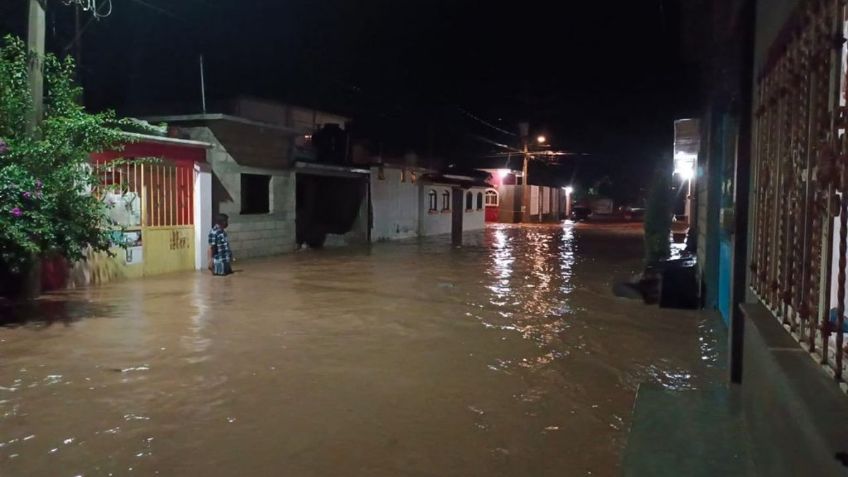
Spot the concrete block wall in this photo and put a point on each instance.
(251, 235)
(260, 235)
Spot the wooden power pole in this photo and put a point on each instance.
(524, 129)
(36, 32)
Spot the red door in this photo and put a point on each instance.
(491, 213)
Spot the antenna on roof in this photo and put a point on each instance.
(202, 85)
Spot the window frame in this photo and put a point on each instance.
(243, 210)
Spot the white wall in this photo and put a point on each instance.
(433, 223)
(396, 205)
(475, 219)
(534, 200)
(202, 213)
(251, 235)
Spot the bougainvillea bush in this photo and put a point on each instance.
(45, 179)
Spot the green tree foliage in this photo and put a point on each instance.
(658, 216)
(46, 205)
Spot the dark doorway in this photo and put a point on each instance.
(326, 205)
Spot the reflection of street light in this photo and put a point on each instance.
(569, 191)
(541, 139)
(503, 173)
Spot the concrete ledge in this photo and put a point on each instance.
(797, 415)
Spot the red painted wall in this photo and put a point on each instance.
(491, 213)
(172, 152)
(54, 270)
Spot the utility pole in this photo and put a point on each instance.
(525, 189)
(35, 49)
(77, 37)
(37, 26)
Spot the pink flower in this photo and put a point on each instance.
(27, 195)
(17, 212)
(3, 146)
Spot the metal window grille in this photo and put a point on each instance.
(166, 189)
(801, 168)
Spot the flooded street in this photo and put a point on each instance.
(507, 357)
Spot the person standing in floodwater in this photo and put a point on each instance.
(219, 255)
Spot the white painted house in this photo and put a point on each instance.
(409, 202)
(395, 199)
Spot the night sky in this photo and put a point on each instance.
(600, 78)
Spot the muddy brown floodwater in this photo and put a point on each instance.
(508, 356)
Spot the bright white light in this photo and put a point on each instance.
(503, 173)
(569, 190)
(687, 173)
(684, 165)
(541, 139)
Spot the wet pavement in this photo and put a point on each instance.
(508, 356)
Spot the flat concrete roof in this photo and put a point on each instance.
(329, 169)
(169, 140)
(184, 118)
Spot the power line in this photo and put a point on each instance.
(159, 9)
(485, 123)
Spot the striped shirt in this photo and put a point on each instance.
(218, 239)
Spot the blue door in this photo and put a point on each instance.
(725, 256)
(725, 272)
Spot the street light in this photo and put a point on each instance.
(525, 201)
(684, 166)
(569, 190)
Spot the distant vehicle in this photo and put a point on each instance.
(579, 214)
(634, 214)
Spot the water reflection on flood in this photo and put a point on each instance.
(508, 356)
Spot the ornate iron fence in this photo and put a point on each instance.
(801, 169)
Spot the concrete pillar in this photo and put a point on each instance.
(202, 212)
(457, 212)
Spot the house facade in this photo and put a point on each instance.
(411, 201)
(253, 183)
(505, 200)
(770, 213)
(395, 201)
(156, 191)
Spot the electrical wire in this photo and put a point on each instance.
(485, 123)
(91, 6)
